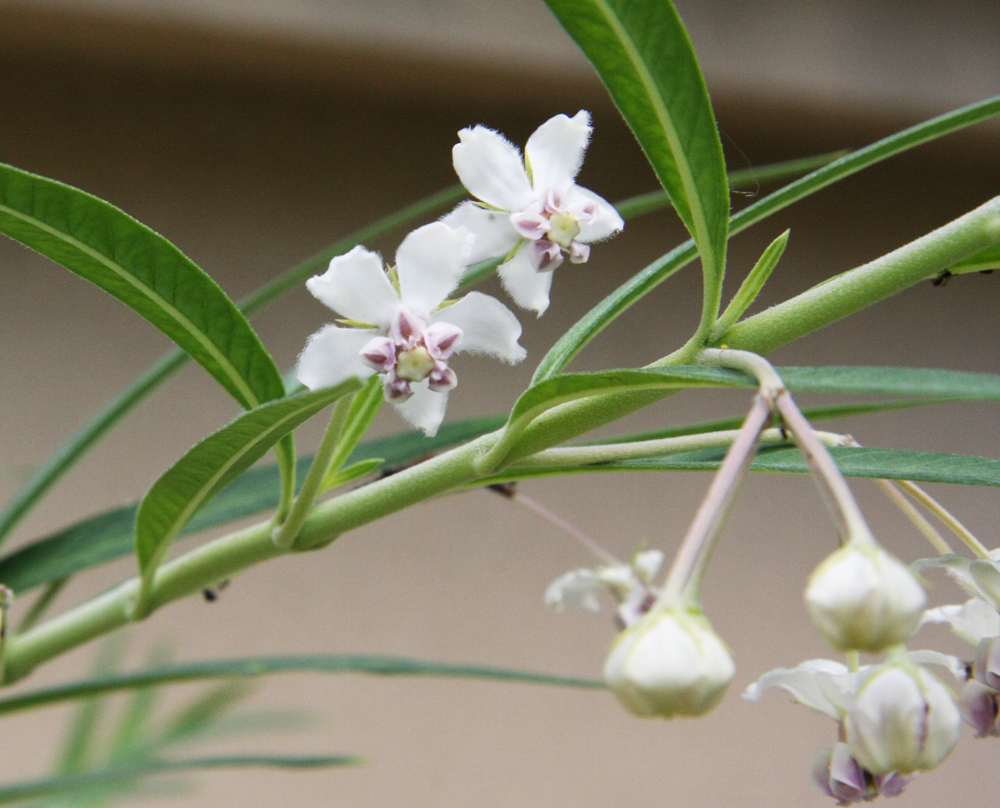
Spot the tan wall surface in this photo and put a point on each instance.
(249, 179)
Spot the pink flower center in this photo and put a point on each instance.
(412, 352)
(553, 228)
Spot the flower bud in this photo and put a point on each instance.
(669, 663)
(986, 667)
(902, 719)
(862, 599)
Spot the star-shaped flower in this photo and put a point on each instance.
(531, 210)
(401, 326)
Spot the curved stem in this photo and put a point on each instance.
(691, 562)
(891, 490)
(284, 535)
(946, 517)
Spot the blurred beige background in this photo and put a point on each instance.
(254, 133)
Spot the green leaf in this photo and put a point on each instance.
(571, 386)
(750, 288)
(144, 271)
(69, 784)
(265, 666)
(110, 535)
(644, 56)
(641, 284)
(984, 261)
(891, 464)
(210, 466)
(930, 383)
(814, 414)
(350, 473)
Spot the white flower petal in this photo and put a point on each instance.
(956, 667)
(809, 683)
(555, 150)
(488, 326)
(647, 564)
(333, 355)
(972, 621)
(491, 168)
(493, 234)
(357, 288)
(577, 589)
(604, 225)
(430, 263)
(424, 409)
(527, 286)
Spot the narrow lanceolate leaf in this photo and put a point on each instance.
(146, 272)
(74, 783)
(641, 284)
(644, 56)
(264, 666)
(572, 386)
(109, 535)
(890, 464)
(211, 465)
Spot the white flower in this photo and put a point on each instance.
(669, 663)
(820, 684)
(973, 621)
(980, 577)
(629, 583)
(862, 598)
(901, 719)
(531, 210)
(402, 327)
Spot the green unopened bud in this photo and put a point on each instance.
(669, 663)
(863, 599)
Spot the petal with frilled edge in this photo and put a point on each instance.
(605, 224)
(493, 235)
(424, 409)
(430, 263)
(357, 288)
(555, 150)
(527, 286)
(333, 355)
(488, 327)
(491, 168)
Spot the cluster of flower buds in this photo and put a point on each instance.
(399, 321)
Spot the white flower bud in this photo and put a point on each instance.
(902, 719)
(669, 663)
(862, 599)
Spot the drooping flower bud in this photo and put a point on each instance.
(902, 719)
(669, 663)
(863, 599)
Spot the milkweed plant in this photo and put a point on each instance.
(395, 332)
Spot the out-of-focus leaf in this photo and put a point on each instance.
(263, 666)
(71, 783)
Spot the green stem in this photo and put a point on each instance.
(845, 294)
(230, 554)
(891, 490)
(683, 585)
(284, 535)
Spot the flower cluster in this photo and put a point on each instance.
(400, 323)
